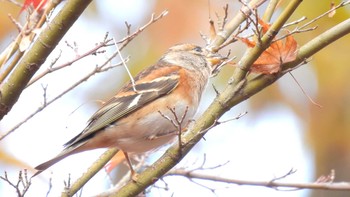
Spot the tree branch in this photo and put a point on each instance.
(42, 47)
(231, 96)
(345, 186)
(99, 163)
(230, 27)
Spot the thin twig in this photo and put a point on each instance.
(234, 118)
(154, 19)
(177, 122)
(51, 69)
(302, 89)
(295, 22)
(125, 66)
(303, 28)
(22, 185)
(97, 69)
(344, 3)
(290, 172)
(50, 186)
(124, 42)
(224, 20)
(345, 186)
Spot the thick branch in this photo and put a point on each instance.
(253, 54)
(230, 27)
(42, 47)
(225, 101)
(99, 163)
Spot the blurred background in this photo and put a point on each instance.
(283, 130)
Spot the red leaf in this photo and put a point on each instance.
(35, 3)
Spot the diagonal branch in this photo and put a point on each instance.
(42, 47)
(97, 69)
(225, 101)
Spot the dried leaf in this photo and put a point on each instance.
(275, 55)
(264, 26)
(246, 41)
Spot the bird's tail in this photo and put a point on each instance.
(40, 168)
(66, 152)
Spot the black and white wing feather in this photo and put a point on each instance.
(119, 107)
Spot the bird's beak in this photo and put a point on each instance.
(217, 62)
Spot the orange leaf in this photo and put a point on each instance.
(246, 41)
(264, 26)
(275, 55)
(272, 58)
(115, 161)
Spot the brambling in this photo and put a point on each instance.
(139, 118)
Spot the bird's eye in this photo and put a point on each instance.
(198, 49)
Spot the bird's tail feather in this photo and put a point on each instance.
(66, 152)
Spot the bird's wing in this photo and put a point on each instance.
(126, 103)
(162, 82)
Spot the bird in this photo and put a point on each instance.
(140, 117)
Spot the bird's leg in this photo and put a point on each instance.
(133, 175)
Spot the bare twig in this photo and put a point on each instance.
(177, 122)
(67, 184)
(342, 4)
(303, 28)
(234, 118)
(270, 184)
(233, 38)
(50, 186)
(22, 185)
(290, 172)
(233, 24)
(74, 46)
(14, 21)
(44, 87)
(224, 19)
(128, 28)
(34, 21)
(295, 22)
(125, 66)
(303, 91)
(97, 69)
(51, 69)
(154, 19)
(202, 166)
(219, 67)
(94, 168)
